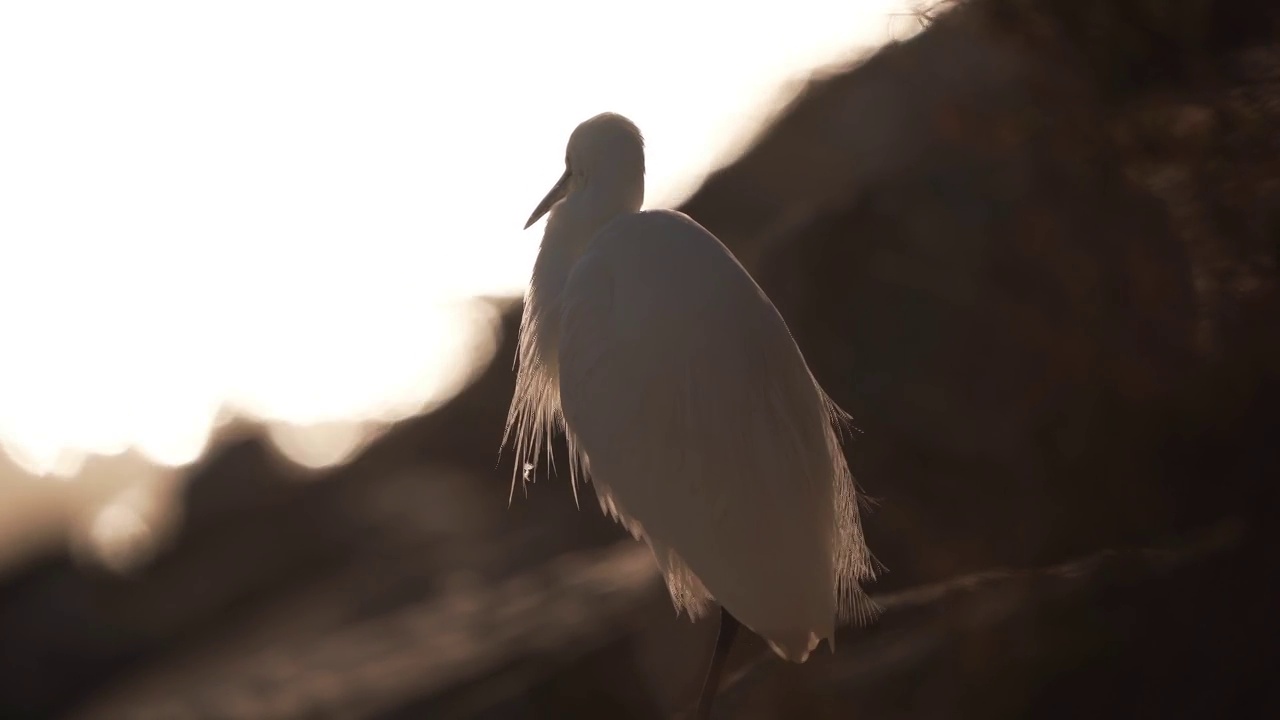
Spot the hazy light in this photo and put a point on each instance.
(131, 528)
(280, 206)
(126, 510)
(321, 445)
(120, 536)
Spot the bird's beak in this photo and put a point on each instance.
(557, 194)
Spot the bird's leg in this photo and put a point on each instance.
(711, 685)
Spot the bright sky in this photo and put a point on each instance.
(281, 207)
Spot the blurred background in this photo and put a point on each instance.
(261, 274)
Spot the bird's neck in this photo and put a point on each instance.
(574, 223)
(570, 228)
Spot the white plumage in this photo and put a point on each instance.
(686, 401)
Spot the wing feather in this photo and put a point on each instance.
(703, 431)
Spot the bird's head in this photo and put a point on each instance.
(608, 149)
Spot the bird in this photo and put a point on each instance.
(686, 403)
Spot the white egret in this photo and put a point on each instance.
(687, 403)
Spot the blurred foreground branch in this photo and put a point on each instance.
(501, 640)
(916, 622)
(372, 667)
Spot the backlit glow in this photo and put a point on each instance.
(281, 209)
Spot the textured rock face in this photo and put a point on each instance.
(1033, 252)
(1015, 270)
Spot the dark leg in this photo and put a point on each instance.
(728, 630)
